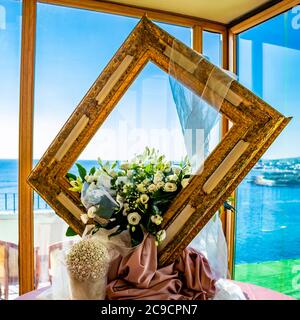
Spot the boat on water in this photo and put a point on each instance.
(277, 178)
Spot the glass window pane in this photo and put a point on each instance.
(10, 34)
(268, 217)
(212, 47)
(73, 46)
(212, 50)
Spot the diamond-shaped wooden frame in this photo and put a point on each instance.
(255, 126)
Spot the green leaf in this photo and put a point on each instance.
(81, 171)
(114, 164)
(92, 171)
(70, 232)
(71, 176)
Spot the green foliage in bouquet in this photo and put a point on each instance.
(131, 195)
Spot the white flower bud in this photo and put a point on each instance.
(92, 212)
(144, 198)
(156, 219)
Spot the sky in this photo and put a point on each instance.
(73, 46)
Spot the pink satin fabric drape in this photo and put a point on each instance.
(136, 276)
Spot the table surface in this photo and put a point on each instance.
(253, 292)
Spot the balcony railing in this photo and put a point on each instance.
(9, 202)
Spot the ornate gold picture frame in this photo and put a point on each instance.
(255, 126)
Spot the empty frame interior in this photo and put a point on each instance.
(255, 126)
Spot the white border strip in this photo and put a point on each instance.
(80, 125)
(114, 79)
(177, 224)
(225, 166)
(66, 202)
(180, 59)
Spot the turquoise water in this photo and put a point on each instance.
(268, 222)
(268, 218)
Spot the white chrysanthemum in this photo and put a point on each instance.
(84, 218)
(170, 187)
(158, 177)
(92, 212)
(156, 219)
(144, 198)
(161, 235)
(185, 182)
(152, 188)
(141, 187)
(133, 218)
(88, 258)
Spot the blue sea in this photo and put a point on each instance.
(268, 218)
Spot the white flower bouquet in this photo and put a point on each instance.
(87, 264)
(131, 195)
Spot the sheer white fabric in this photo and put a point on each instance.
(198, 116)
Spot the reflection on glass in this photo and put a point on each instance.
(212, 47)
(10, 32)
(212, 50)
(72, 48)
(268, 217)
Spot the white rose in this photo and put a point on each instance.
(84, 218)
(141, 187)
(170, 187)
(92, 212)
(133, 218)
(152, 188)
(185, 182)
(157, 219)
(144, 198)
(158, 177)
(160, 184)
(172, 177)
(161, 235)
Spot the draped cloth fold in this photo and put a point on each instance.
(136, 276)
